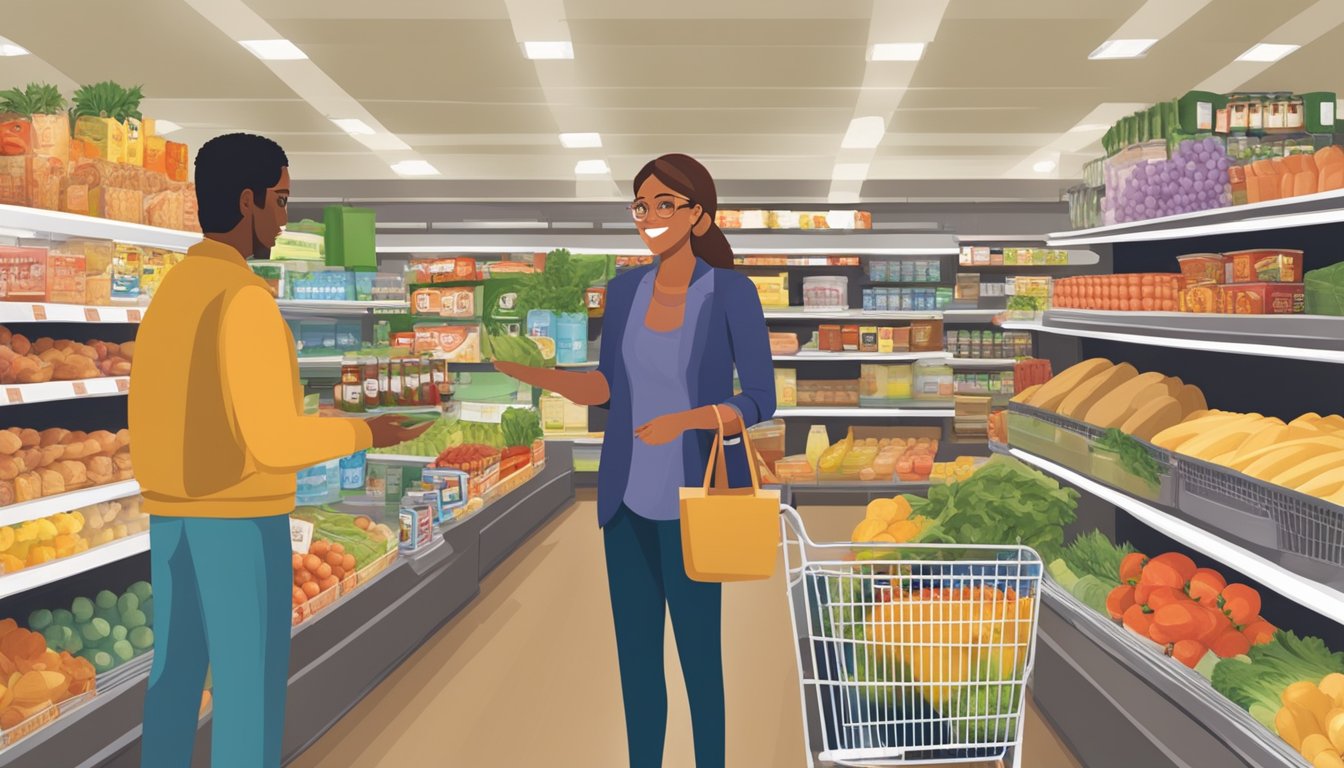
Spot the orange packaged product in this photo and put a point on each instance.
(783, 344)
(1264, 298)
(1199, 268)
(1202, 299)
(175, 158)
(66, 282)
(23, 274)
(454, 343)
(1264, 265)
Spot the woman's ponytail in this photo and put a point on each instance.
(713, 247)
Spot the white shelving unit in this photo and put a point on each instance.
(295, 306)
(35, 224)
(847, 314)
(1321, 598)
(66, 502)
(864, 413)
(625, 242)
(988, 364)
(19, 312)
(808, 356)
(51, 391)
(65, 567)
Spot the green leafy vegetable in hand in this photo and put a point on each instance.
(1134, 457)
(1092, 554)
(1274, 666)
(521, 427)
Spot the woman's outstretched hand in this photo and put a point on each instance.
(516, 370)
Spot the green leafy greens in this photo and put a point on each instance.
(1092, 554)
(1134, 457)
(520, 426)
(1274, 666)
(560, 286)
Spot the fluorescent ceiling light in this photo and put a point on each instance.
(1122, 49)
(165, 127)
(864, 133)
(897, 52)
(353, 126)
(414, 168)
(581, 140)
(10, 48)
(850, 172)
(1044, 166)
(591, 168)
(1267, 52)
(274, 50)
(554, 49)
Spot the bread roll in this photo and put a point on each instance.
(52, 482)
(53, 436)
(27, 486)
(9, 467)
(10, 443)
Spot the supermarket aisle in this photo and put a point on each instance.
(527, 676)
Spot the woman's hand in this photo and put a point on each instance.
(665, 429)
(516, 370)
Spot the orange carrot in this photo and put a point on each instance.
(1119, 601)
(1189, 652)
(1183, 565)
(1230, 643)
(1131, 567)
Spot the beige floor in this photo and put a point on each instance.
(526, 676)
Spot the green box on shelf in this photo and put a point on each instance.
(1318, 112)
(350, 237)
(1196, 111)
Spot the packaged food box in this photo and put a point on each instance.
(417, 527)
(1199, 268)
(1201, 299)
(175, 158)
(104, 135)
(23, 273)
(795, 469)
(126, 268)
(273, 274)
(15, 176)
(1263, 298)
(98, 289)
(773, 290)
(1265, 265)
(65, 278)
(786, 387)
(783, 344)
(455, 343)
(458, 301)
(925, 335)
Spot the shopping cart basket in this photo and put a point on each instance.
(911, 654)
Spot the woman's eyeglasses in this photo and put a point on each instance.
(663, 208)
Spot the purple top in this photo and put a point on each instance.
(657, 364)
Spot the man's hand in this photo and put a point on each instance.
(388, 430)
(664, 429)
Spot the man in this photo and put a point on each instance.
(216, 410)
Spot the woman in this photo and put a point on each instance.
(674, 332)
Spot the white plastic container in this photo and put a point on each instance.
(825, 293)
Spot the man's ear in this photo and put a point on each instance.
(245, 202)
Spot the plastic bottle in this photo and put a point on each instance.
(817, 442)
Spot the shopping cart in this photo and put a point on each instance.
(911, 654)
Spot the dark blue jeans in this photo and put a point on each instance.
(647, 577)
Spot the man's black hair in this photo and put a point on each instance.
(225, 166)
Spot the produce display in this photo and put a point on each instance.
(954, 471)
(1323, 291)
(1193, 178)
(1154, 292)
(359, 536)
(1291, 685)
(985, 256)
(884, 458)
(1306, 454)
(23, 361)
(324, 567)
(110, 165)
(36, 677)
(35, 542)
(1110, 396)
(37, 464)
(107, 630)
(756, 219)
(1003, 502)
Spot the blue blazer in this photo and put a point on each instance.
(730, 333)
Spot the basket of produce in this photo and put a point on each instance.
(376, 566)
(1049, 436)
(42, 682)
(1135, 466)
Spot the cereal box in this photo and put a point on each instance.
(1264, 298)
(126, 271)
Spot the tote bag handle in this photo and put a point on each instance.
(718, 451)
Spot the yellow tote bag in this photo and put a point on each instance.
(729, 534)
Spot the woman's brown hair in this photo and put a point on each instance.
(684, 175)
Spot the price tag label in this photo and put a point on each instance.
(39, 312)
(133, 315)
(91, 314)
(14, 394)
(300, 535)
(81, 389)
(123, 385)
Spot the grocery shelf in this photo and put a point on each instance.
(991, 363)
(910, 412)
(1301, 211)
(1321, 598)
(339, 655)
(66, 502)
(52, 391)
(23, 312)
(394, 458)
(1118, 701)
(1315, 338)
(847, 314)
(296, 306)
(65, 567)
(36, 223)
(320, 361)
(811, 356)
(625, 242)
(971, 316)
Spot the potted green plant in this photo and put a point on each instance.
(100, 114)
(43, 106)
